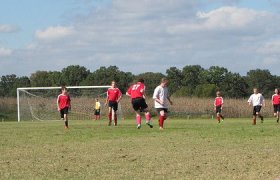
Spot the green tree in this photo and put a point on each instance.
(205, 90)
(7, 85)
(261, 79)
(216, 75)
(40, 79)
(234, 85)
(74, 75)
(175, 78)
(104, 76)
(192, 77)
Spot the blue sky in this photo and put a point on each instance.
(138, 37)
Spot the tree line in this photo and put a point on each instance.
(191, 80)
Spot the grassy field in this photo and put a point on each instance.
(185, 149)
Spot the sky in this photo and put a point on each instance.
(139, 36)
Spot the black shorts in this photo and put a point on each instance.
(97, 112)
(276, 108)
(162, 109)
(113, 105)
(63, 111)
(256, 110)
(218, 109)
(139, 104)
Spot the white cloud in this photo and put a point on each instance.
(54, 33)
(225, 19)
(140, 36)
(7, 28)
(4, 52)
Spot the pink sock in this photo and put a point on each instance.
(138, 119)
(148, 117)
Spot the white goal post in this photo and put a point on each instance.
(33, 97)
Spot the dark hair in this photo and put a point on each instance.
(63, 88)
(141, 80)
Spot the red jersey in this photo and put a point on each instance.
(63, 101)
(113, 94)
(275, 99)
(218, 101)
(136, 90)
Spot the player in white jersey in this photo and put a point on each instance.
(161, 97)
(257, 101)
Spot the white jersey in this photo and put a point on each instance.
(162, 94)
(256, 99)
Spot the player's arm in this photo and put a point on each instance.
(120, 96)
(107, 99)
(57, 103)
(128, 92)
(250, 101)
(168, 98)
(143, 92)
(263, 101)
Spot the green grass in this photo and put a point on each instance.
(186, 149)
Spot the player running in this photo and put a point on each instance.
(276, 104)
(114, 96)
(161, 97)
(63, 105)
(257, 101)
(137, 94)
(218, 106)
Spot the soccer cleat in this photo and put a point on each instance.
(138, 126)
(160, 128)
(149, 124)
(66, 127)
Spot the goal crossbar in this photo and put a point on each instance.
(40, 88)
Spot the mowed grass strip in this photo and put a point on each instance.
(186, 149)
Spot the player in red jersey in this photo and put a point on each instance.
(114, 96)
(137, 94)
(276, 104)
(63, 105)
(218, 106)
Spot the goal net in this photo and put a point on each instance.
(40, 103)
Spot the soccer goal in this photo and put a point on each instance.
(39, 103)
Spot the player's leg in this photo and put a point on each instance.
(258, 112)
(218, 115)
(144, 106)
(277, 113)
(136, 106)
(162, 117)
(66, 118)
(61, 114)
(115, 108)
(254, 116)
(109, 114)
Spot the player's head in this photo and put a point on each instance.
(113, 84)
(163, 82)
(96, 99)
(255, 90)
(141, 80)
(276, 91)
(218, 93)
(63, 89)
